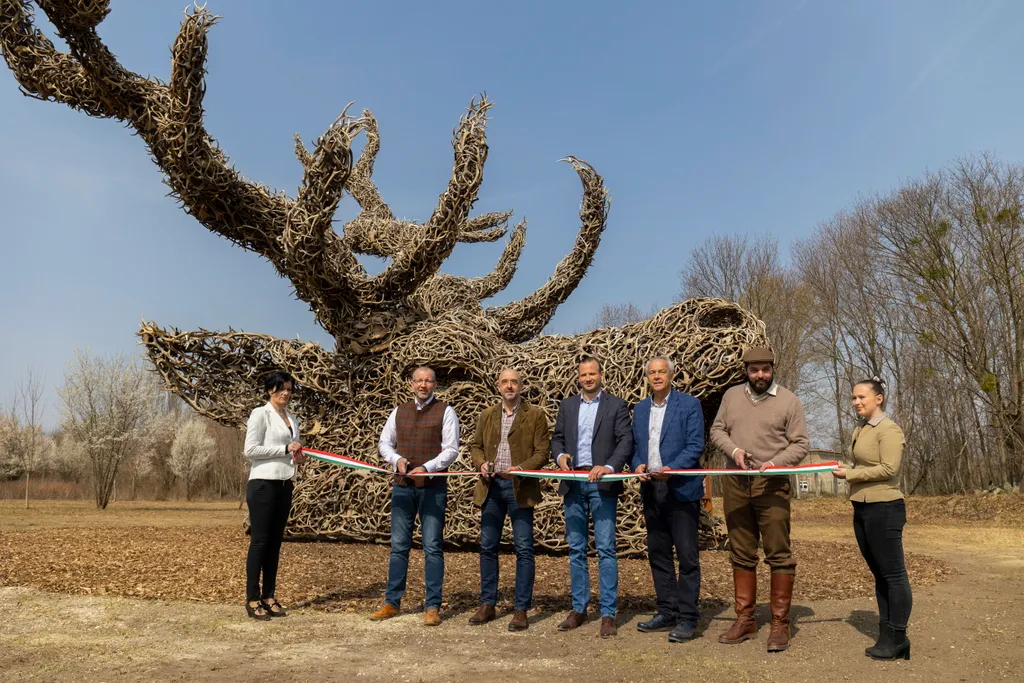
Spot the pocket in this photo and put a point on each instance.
(259, 492)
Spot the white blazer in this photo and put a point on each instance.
(266, 440)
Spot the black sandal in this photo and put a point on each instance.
(258, 611)
(274, 608)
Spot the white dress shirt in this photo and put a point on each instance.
(654, 433)
(266, 442)
(449, 440)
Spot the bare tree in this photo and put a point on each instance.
(109, 410)
(751, 273)
(30, 395)
(191, 452)
(616, 315)
(955, 239)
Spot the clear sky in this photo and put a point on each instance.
(754, 116)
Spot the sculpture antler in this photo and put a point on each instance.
(376, 231)
(296, 234)
(524, 319)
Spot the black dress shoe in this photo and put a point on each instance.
(684, 630)
(659, 622)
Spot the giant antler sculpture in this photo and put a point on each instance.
(383, 325)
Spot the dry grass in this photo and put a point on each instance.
(43, 489)
(1003, 510)
(197, 552)
(78, 513)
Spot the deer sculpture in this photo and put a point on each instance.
(383, 325)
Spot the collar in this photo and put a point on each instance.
(875, 421)
(663, 404)
(519, 404)
(421, 406)
(597, 399)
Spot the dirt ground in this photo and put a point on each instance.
(966, 625)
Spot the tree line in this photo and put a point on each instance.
(923, 286)
(119, 435)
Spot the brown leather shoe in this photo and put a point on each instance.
(745, 584)
(574, 620)
(484, 614)
(519, 621)
(385, 612)
(782, 597)
(432, 617)
(608, 627)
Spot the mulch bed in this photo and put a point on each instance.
(208, 565)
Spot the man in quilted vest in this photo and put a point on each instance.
(419, 438)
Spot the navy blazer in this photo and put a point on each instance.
(682, 441)
(613, 438)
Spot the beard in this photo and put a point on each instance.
(760, 386)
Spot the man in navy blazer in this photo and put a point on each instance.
(592, 433)
(668, 433)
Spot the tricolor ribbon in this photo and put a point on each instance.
(352, 463)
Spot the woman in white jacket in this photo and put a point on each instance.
(272, 444)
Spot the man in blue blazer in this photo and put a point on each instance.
(668, 433)
(592, 433)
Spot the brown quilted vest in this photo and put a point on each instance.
(419, 433)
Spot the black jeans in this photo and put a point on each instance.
(879, 531)
(672, 524)
(270, 502)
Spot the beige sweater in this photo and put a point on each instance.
(773, 429)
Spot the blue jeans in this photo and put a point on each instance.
(584, 500)
(501, 500)
(429, 503)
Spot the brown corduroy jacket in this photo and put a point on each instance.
(529, 445)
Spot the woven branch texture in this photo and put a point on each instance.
(383, 325)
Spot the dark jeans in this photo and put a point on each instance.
(879, 531)
(501, 501)
(270, 502)
(428, 502)
(672, 524)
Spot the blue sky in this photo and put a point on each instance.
(703, 117)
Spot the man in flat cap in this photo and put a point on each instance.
(759, 425)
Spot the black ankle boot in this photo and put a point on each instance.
(899, 646)
(883, 641)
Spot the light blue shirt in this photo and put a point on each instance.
(585, 431)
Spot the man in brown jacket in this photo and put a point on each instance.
(512, 435)
(759, 425)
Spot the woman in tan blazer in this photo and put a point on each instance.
(879, 514)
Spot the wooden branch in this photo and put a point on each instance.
(524, 319)
(498, 279)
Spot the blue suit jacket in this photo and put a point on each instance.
(682, 441)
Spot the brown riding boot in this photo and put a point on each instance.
(745, 583)
(782, 596)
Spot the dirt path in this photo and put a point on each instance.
(966, 629)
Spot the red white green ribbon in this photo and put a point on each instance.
(352, 463)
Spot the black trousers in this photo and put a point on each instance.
(879, 531)
(672, 525)
(270, 502)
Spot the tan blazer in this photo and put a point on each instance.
(877, 452)
(528, 442)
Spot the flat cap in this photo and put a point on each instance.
(758, 354)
